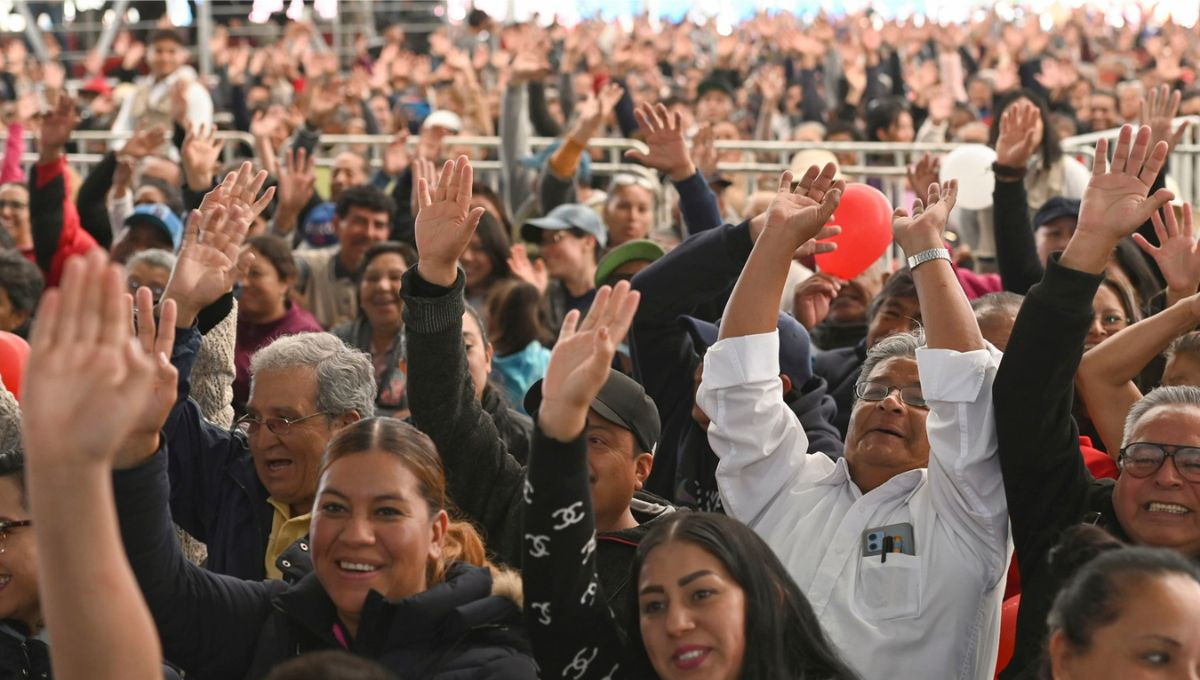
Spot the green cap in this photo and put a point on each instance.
(630, 251)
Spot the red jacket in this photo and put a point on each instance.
(57, 234)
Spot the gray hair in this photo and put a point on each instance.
(11, 448)
(1159, 397)
(153, 257)
(900, 345)
(345, 376)
(1004, 302)
(1188, 343)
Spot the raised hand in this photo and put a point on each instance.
(922, 174)
(1177, 256)
(1159, 109)
(421, 167)
(296, 181)
(82, 361)
(594, 110)
(56, 128)
(1017, 141)
(801, 213)
(446, 222)
(812, 298)
(668, 152)
(923, 229)
(145, 142)
(581, 358)
(1115, 202)
(156, 340)
(533, 273)
(208, 263)
(201, 150)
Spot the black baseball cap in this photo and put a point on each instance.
(713, 85)
(622, 401)
(1055, 208)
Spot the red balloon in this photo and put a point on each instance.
(865, 216)
(14, 351)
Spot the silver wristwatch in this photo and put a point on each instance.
(927, 255)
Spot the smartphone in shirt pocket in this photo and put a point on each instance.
(890, 572)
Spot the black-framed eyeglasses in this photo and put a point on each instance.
(1143, 459)
(280, 426)
(7, 526)
(877, 391)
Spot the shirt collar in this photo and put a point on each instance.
(906, 483)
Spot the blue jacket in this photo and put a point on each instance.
(215, 493)
(700, 270)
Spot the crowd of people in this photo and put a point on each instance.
(290, 410)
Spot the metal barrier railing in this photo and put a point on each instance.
(883, 163)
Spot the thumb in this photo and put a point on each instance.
(1154, 203)
(1144, 244)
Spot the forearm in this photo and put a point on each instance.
(10, 169)
(1016, 250)
(82, 560)
(697, 204)
(754, 306)
(946, 315)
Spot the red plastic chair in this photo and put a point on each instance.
(1008, 631)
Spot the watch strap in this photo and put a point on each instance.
(927, 256)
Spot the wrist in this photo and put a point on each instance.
(443, 274)
(919, 243)
(681, 173)
(561, 422)
(136, 449)
(199, 181)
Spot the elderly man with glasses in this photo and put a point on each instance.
(248, 492)
(901, 546)
(1154, 501)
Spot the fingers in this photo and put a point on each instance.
(443, 185)
(145, 318)
(1100, 158)
(570, 321)
(1153, 164)
(1145, 245)
(465, 180)
(950, 195)
(165, 342)
(1137, 155)
(1121, 154)
(1160, 231)
(1188, 230)
(1155, 203)
(473, 218)
(597, 310)
(114, 306)
(785, 180)
(423, 197)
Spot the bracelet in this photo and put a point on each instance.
(1007, 172)
(928, 256)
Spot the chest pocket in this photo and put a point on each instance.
(891, 589)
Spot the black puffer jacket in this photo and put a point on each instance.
(21, 656)
(215, 626)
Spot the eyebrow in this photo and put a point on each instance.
(1161, 638)
(381, 497)
(695, 575)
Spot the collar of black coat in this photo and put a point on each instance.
(448, 611)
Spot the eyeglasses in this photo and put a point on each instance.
(9, 525)
(280, 426)
(156, 291)
(1142, 459)
(552, 236)
(874, 391)
(15, 205)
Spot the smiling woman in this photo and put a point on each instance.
(394, 578)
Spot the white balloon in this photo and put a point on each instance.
(971, 165)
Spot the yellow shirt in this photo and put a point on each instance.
(285, 530)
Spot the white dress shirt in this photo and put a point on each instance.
(931, 615)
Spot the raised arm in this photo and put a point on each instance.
(81, 363)
(1044, 476)
(1016, 250)
(668, 153)
(484, 482)
(566, 610)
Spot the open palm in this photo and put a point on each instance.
(446, 222)
(668, 151)
(581, 358)
(1115, 201)
(803, 212)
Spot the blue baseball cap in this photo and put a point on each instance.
(159, 215)
(566, 216)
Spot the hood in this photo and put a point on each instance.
(646, 508)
